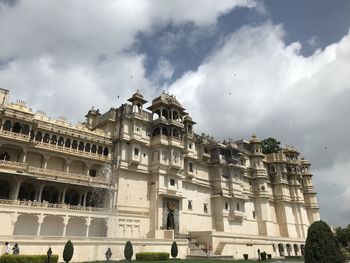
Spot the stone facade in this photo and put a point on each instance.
(144, 175)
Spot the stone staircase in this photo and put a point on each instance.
(196, 248)
(219, 248)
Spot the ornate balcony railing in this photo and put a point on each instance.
(66, 175)
(14, 135)
(46, 205)
(77, 152)
(12, 165)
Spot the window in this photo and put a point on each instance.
(206, 150)
(205, 208)
(189, 205)
(238, 206)
(254, 214)
(136, 151)
(226, 205)
(190, 145)
(190, 167)
(92, 172)
(172, 182)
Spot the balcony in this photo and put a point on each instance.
(14, 166)
(14, 135)
(81, 178)
(76, 152)
(7, 203)
(236, 215)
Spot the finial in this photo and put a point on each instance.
(253, 135)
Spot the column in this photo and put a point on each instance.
(67, 165)
(65, 223)
(24, 156)
(63, 198)
(84, 199)
(14, 217)
(46, 158)
(88, 166)
(88, 223)
(40, 221)
(42, 186)
(17, 188)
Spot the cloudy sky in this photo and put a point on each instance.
(277, 68)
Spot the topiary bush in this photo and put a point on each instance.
(68, 251)
(27, 259)
(263, 256)
(321, 245)
(245, 256)
(128, 250)
(174, 250)
(269, 256)
(152, 256)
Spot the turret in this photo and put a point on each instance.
(91, 118)
(137, 102)
(4, 97)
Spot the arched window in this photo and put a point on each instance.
(87, 147)
(165, 131)
(165, 114)
(238, 206)
(75, 144)
(67, 143)
(273, 169)
(7, 125)
(81, 146)
(60, 141)
(16, 127)
(99, 150)
(156, 131)
(93, 148)
(53, 139)
(38, 137)
(226, 205)
(156, 115)
(46, 138)
(25, 129)
(105, 151)
(176, 133)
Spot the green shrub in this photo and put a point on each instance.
(263, 256)
(321, 245)
(27, 259)
(68, 251)
(245, 256)
(174, 250)
(128, 250)
(269, 256)
(152, 256)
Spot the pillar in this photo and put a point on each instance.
(14, 217)
(88, 223)
(63, 198)
(42, 186)
(17, 188)
(24, 156)
(65, 223)
(88, 166)
(67, 165)
(40, 221)
(84, 199)
(46, 158)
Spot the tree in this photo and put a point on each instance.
(321, 245)
(343, 235)
(128, 250)
(68, 251)
(174, 250)
(270, 145)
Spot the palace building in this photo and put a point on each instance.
(143, 174)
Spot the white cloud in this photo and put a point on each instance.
(79, 51)
(256, 83)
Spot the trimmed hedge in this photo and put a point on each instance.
(152, 256)
(27, 259)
